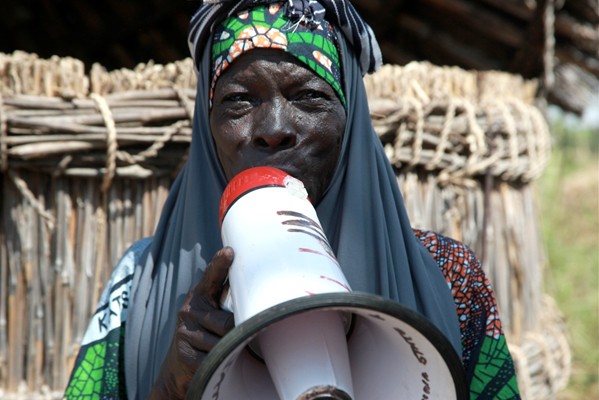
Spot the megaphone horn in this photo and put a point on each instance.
(393, 353)
(301, 333)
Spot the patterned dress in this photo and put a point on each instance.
(99, 368)
(485, 354)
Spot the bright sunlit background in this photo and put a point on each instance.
(569, 213)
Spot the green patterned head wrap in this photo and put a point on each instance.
(267, 26)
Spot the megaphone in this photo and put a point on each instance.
(300, 332)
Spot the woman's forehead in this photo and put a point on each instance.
(270, 59)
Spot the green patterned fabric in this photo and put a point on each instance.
(99, 374)
(494, 376)
(268, 27)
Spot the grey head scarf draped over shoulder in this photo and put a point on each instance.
(362, 211)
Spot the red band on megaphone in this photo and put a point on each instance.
(249, 180)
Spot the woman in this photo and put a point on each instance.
(281, 85)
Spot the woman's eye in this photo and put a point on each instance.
(312, 95)
(237, 104)
(237, 98)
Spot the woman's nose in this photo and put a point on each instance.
(275, 130)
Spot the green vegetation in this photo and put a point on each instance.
(569, 212)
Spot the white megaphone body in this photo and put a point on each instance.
(300, 332)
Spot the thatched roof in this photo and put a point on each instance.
(555, 41)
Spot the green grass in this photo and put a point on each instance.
(569, 211)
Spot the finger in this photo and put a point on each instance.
(211, 284)
(202, 341)
(218, 321)
(202, 315)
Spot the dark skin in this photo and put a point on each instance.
(200, 325)
(268, 109)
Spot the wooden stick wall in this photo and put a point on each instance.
(53, 271)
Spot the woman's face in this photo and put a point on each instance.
(270, 110)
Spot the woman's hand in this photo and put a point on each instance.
(201, 324)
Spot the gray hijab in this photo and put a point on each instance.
(362, 214)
